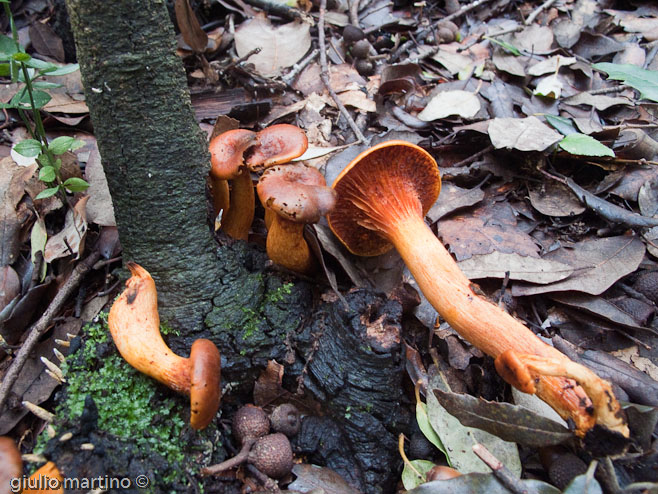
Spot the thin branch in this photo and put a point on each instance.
(538, 11)
(299, 67)
(43, 323)
(324, 75)
(354, 12)
(501, 472)
(465, 9)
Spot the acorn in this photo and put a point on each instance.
(365, 67)
(647, 285)
(361, 49)
(250, 421)
(285, 419)
(352, 33)
(272, 455)
(561, 465)
(440, 472)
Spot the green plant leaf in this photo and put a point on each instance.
(8, 47)
(40, 65)
(38, 237)
(563, 125)
(62, 144)
(47, 193)
(30, 148)
(584, 145)
(505, 46)
(427, 429)
(5, 70)
(645, 81)
(21, 57)
(47, 174)
(75, 184)
(410, 479)
(41, 99)
(45, 85)
(65, 69)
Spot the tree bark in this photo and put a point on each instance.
(156, 169)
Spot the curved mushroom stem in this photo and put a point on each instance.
(236, 222)
(477, 320)
(135, 327)
(286, 246)
(220, 197)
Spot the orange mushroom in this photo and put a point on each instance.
(135, 326)
(227, 163)
(11, 464)
(383, 196)
(47, 478)
(233, 155)
(298, 195)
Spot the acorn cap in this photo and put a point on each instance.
(272, 455)
(227, 153)
(297, 193)
(250, 421)
(397, 166)
(277, 144)
(205, 387)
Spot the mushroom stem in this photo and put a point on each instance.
(286, 246)
(135, 327)
(220, 196)
(237, 220)
(477, 320)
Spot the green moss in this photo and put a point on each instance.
(278, 294)
(130, 405)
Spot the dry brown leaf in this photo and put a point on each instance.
(280, 46)
(100, 209)
(194, 36)
(70, 240)
(46, 41)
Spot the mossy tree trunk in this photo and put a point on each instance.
(154, 154)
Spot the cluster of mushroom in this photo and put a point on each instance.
(292, 194)
(135, 327)
(382, 198)
(47, 478)
(270, 453)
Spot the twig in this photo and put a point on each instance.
(354, 12)
(538, 11)
(43, 323)
(465, 9)
(651, 55)
(492, 35)
(299, 66)
(324, 75)
(282, 10)
(608, 90)
(472, 158)
(501, 472)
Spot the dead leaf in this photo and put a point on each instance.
(499, 264)
(70, 240)
(550, 65)
(446, 103)
(555, 199)
(46, 41)
(189, 26)
(100, 209)
(268, 387)
(453, 198)
(281, 46)
(358, 99)
(508, 63)
(454, 62)
(597, 265)
(524, 134)
(491, 227)
(312, 478)
(12, 190)
(535, 39)
(598, 101)
(10, 286)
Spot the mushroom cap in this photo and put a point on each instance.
(205, 375)
(390, 177)
(297, 193)
(226, 152)
(277, 144)
(510, 367)
(11, 463)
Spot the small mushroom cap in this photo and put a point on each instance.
(297, 193)
(11, 463)
(515, 372)
(226, 153)
(277, 144)
(441, 472)
(386, 176)
(205, 390)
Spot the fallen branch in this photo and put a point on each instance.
(324, 75)
(44, 322)
(465, 9)
(538, 11)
